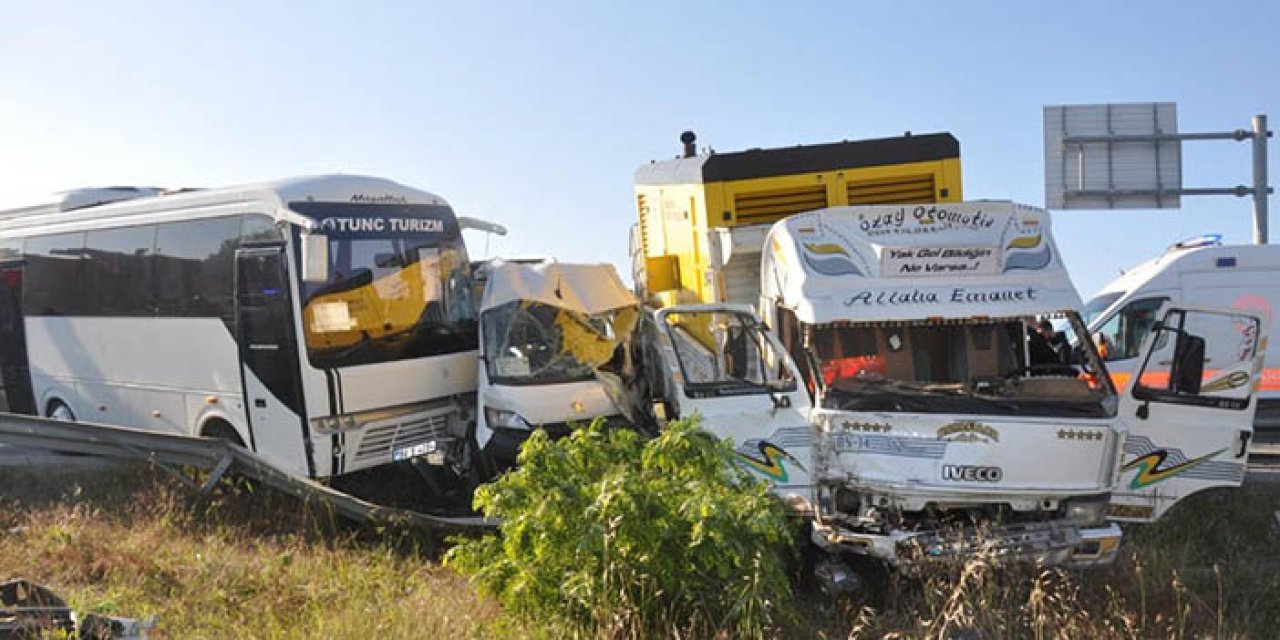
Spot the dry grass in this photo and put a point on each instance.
(143, 545)
(137, 543)
(1211, 568)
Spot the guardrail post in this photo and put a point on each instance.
(218, 471)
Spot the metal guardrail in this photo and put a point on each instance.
(1264, 455)
(216, 456)
(220, 457)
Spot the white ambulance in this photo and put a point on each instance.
(1199, 271)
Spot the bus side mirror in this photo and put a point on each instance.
(315, 257)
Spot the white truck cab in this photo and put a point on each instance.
(719, 362)
(943, 398)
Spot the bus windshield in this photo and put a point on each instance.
(527, 342)
(398, 287)
(1005, 366)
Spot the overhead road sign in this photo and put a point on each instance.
(1129, 156)
(1112, 156)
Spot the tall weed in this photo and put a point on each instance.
(612, 535)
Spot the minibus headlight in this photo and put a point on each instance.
(503, 419)
(326, 425)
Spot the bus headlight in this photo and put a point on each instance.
(503, 419)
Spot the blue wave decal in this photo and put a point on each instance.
(832, 265)
(770, 462)
(1213, 470)
(1029, 260)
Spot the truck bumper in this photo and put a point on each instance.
(1042, 543)
(1098, 546)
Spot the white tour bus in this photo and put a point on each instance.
(324, 322)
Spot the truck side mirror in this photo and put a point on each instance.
(1188, 364)
(315, 257)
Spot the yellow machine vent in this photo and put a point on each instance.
(894, 190)
(768, 206)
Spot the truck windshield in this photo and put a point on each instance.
(726, 353)
(1002, 366)
(398, 288)
(528, 342)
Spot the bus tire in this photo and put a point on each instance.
(58, 410)
(220, 430)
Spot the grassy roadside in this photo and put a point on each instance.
(137, 543)
(1210, 568)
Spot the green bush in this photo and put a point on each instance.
(612, 535)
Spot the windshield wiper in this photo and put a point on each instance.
(895, 387)
(344, 354)
(439, 328)
(357, 279)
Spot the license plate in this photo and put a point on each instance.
(413, 451)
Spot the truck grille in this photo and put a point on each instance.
(380, 440)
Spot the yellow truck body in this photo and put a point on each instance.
(703, 218)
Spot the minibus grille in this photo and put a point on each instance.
(379, 441)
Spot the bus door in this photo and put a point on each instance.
(269, 358)
(15, 375)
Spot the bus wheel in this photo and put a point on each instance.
(58, 410)
(222, 431)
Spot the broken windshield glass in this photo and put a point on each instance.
(1003, 366)
(726, 351)
(533, 343)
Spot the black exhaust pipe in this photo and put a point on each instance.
(690, 149)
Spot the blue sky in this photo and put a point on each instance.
(536, 114)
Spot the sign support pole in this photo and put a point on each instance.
(1260, 190)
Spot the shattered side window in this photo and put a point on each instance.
(726, 348)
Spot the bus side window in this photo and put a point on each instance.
(194, 267)
(53, 282)
(256, 227)
(117, 271)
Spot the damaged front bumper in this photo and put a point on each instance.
(1056, 543)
